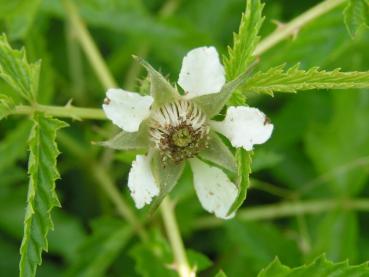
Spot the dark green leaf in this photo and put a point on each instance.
(41, 198)
(21, 75)
(320, 267)
(99, 250)
(244, 42)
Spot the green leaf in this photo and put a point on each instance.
(197, 260)
(160, 89)
(243, 159)
(356, 16)
(244, 42)
(218, 153)
(100, 249)
(240, 55)
(20, 19)
(41, 198)
(166, 176)
(278, 79)
(6, 106)
(153, 257)
(329, 232)
(341, 159)
(129, 141)
(320, 267)
(17, 72)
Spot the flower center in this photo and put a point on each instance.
(179, 130)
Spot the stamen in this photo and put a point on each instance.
(179, 130)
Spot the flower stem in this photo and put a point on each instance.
(88, 45)
(170, 223)
(62, 111)
(295, 25)
(289, 209)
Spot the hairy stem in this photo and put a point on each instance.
(88, 45)
(295, 25)
(170, 223)
(62, 111)
(289, 209)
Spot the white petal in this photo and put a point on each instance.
(214, 190)
(141, 182)
(126, 109)
(244, 127)
(201, 72)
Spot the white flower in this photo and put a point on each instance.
(173, 128)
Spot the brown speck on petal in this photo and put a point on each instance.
(267, 120)
(107, 101)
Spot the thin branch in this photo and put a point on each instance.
(170, 223)
(89, 46)
(287, 209)
(68, 111)
(295, 25)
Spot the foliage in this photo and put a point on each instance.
(41, 198)
(320, 266)
(318, 152)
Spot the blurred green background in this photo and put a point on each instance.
(319, 148)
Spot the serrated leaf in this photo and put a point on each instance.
(101, 248)
(243, 159)
(244, 42)
(320, 267)
(279, 79)
(41, 198)
(6, 105)
(356, 16)
(21, 75)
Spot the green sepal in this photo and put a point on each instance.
(166, 175)
(160, 89)
(6, 105)
(243, 159)
(129, 140)
(212, 104)
(218, 153)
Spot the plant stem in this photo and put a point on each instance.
(289, 209)
(88, 45)
(295, 25)
(103, 179)
(62, 111)
(107, 184)
(170, 223)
